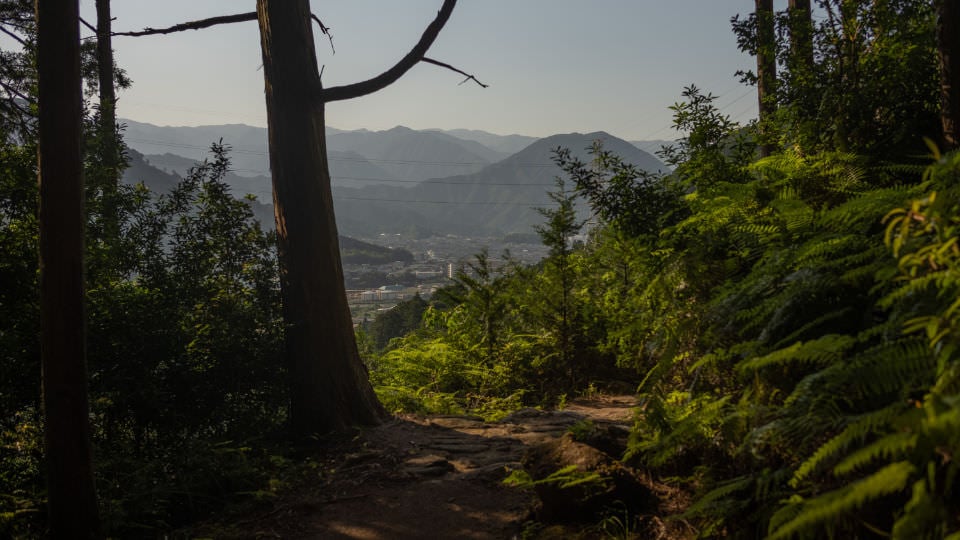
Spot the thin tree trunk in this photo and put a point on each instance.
(108, 120)
(71, 495)
(801, 34)
(948, 11)
(766, 71)
(330, 389)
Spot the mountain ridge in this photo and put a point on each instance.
(418, 182)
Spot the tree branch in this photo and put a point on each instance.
(451, 68)
(390, 76)
(88, 25)
(193, 25)
(17, 38)
(14, 92)
(326, 32)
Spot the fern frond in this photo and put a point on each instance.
(830, 507)
(892, 446)
(891, 368)
(705, 503)
(934, 282)
(822, 351)
(854, 433)
(925, 517)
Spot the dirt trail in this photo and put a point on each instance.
(433, 477)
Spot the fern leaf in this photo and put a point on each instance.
(822, 351)
(719, 493)
(830, 507)
(892, 446)
(854, 433)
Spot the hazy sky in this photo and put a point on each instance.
(553, 66)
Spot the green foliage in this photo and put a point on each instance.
(564, 478)
(183, 348)
(634, 201)
(867, 83)
(398, 321)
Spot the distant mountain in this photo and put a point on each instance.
(355, 251)
(406, 154)
(501, 198)
(357, 157)
(144, 169)
(161, 182)
(249, 143)
(347, 169)
(652, 146)
(155, 179)
(399, 180)
(505, 144)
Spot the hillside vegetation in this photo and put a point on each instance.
(783, 300)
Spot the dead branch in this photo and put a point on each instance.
(391, 75)
(88, 25)
(451, 68)
(193, 25)
(14, 92)
(206, 23)
(326, 32)
(15, 37)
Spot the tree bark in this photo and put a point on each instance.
(71, 494)
(330, 389)
(766, 71)
(948, 11)
(109, 142)
(108, 98)
(801, 33)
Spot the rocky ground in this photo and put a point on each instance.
(440, 477)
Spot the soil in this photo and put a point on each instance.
(433, 477)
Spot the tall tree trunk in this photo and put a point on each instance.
(766, 72)
(71, 495)
(948, 12)
(330, 389)
(109, 143)
(801, 34)
(803, 95)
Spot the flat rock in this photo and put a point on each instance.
(428, 465)
(458, 447)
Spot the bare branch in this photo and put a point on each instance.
(88, 25)
(451, 68)
(326, 32)
(13, 91)
(17, 38)
(390, 76)
(193, 25)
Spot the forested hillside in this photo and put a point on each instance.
(781, 302)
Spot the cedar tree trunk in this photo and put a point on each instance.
(110, 146)
(801, 34)
(948, 11)
(330, 389)
(71, 495)
(766, 71)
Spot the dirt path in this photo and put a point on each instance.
(433, 477)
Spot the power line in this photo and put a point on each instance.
(488, 203)
(237, 150)
(442, 182)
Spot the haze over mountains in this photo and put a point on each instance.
(399, 180)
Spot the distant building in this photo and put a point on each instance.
(428, 274)
(391, 292)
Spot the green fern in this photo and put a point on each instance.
(856, 431)
(819, 352)
(893, 446)
(824, 511)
